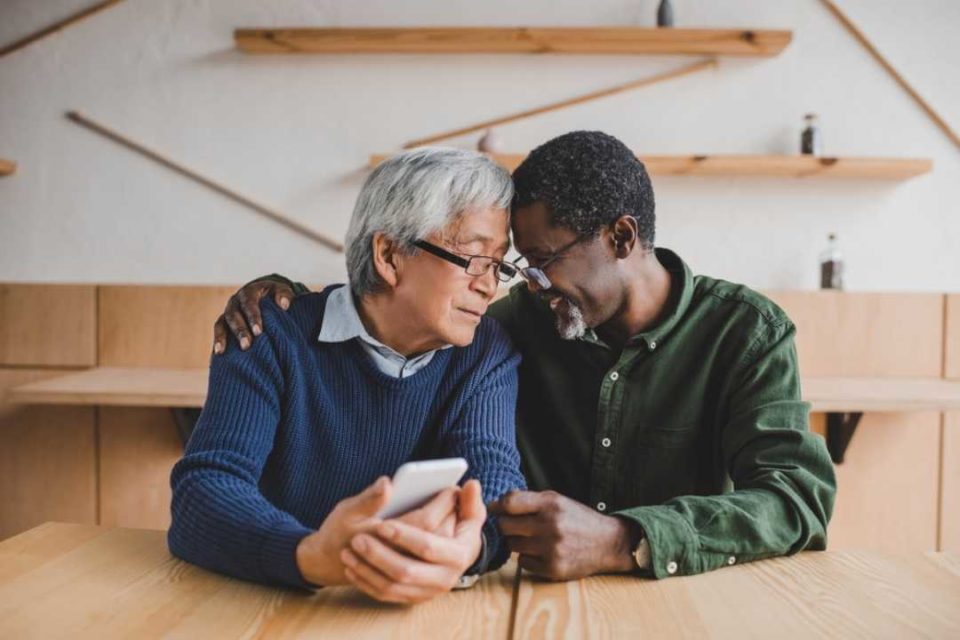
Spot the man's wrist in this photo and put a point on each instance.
(628, 536)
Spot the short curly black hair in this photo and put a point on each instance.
(587, 179)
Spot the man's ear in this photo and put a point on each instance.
(624, 234)
(386, 258)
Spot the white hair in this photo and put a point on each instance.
(414, 194)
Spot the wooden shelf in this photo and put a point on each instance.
(862, 395)
(798, 166)
(188, 388)
(599, 40)
(114, 386)
(7, 167)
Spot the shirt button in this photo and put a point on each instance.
(614, 376)
(605, 442)
(653, 345)
(732, 560)
(671, 567)
(601, 506)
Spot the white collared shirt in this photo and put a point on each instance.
(341, 322)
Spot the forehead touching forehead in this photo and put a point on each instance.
(535, 232)
(486, 230)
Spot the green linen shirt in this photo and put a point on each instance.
(695, 431)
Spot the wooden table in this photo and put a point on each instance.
(64, 580)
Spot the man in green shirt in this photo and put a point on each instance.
(659, 415)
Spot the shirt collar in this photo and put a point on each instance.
(681, 293)
(341, 322)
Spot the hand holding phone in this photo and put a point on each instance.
(415, 483)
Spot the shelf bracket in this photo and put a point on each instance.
(840, 429)
(186, 419)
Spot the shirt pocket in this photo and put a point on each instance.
(666, 463)
(669, 437)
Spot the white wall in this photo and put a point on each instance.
(295, 132)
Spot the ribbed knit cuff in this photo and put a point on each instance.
(482, 562)
(278, 557)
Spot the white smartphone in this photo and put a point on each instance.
(415, 483)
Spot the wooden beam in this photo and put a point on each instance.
(272, 214)
(599, 40)
(7, 167)
(799, 166)
(57, 26)
(636, 84)
(879, 57)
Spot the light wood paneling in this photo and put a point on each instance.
(952, 338)
(811, 595)
(950, 497)
(48, 325)
(866, 334)
(538, 40)
(123, 583)
(47, 460)
(138, 448)
(887, 484)
(950, 490)
(158, 326)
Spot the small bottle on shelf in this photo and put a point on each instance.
(831, 265)
(665, 14)
(811, 142)
(490, 142)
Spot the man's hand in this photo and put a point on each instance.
(318, 555)
(562, 539)
(242, 313)
(399, 562)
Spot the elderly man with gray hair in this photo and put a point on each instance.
(286, 469)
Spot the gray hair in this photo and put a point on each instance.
(414, 194)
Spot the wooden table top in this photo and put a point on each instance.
(156, 387)
(66, 580)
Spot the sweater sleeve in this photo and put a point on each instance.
(220, 519)
(484, 433)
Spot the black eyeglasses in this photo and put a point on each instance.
(538, 274)
(473, 265)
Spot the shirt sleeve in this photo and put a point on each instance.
(484, 433)
(220, 519)
(783, 480)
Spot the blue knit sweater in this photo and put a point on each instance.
(293, 426)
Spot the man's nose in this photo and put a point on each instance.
(533, 286)
(486, 283)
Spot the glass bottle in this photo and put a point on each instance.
(665, 14)
(811, 142)
(831, 265)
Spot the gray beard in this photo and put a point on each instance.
(570, 324)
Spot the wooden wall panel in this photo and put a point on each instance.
(138, 448)
(887, 484)
(48, 325)
(950, 496)
(158, 326)
(47, 460)
(951, 362)
(866, 334)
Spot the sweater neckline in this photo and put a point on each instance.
(439, 360)
(427, 372)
